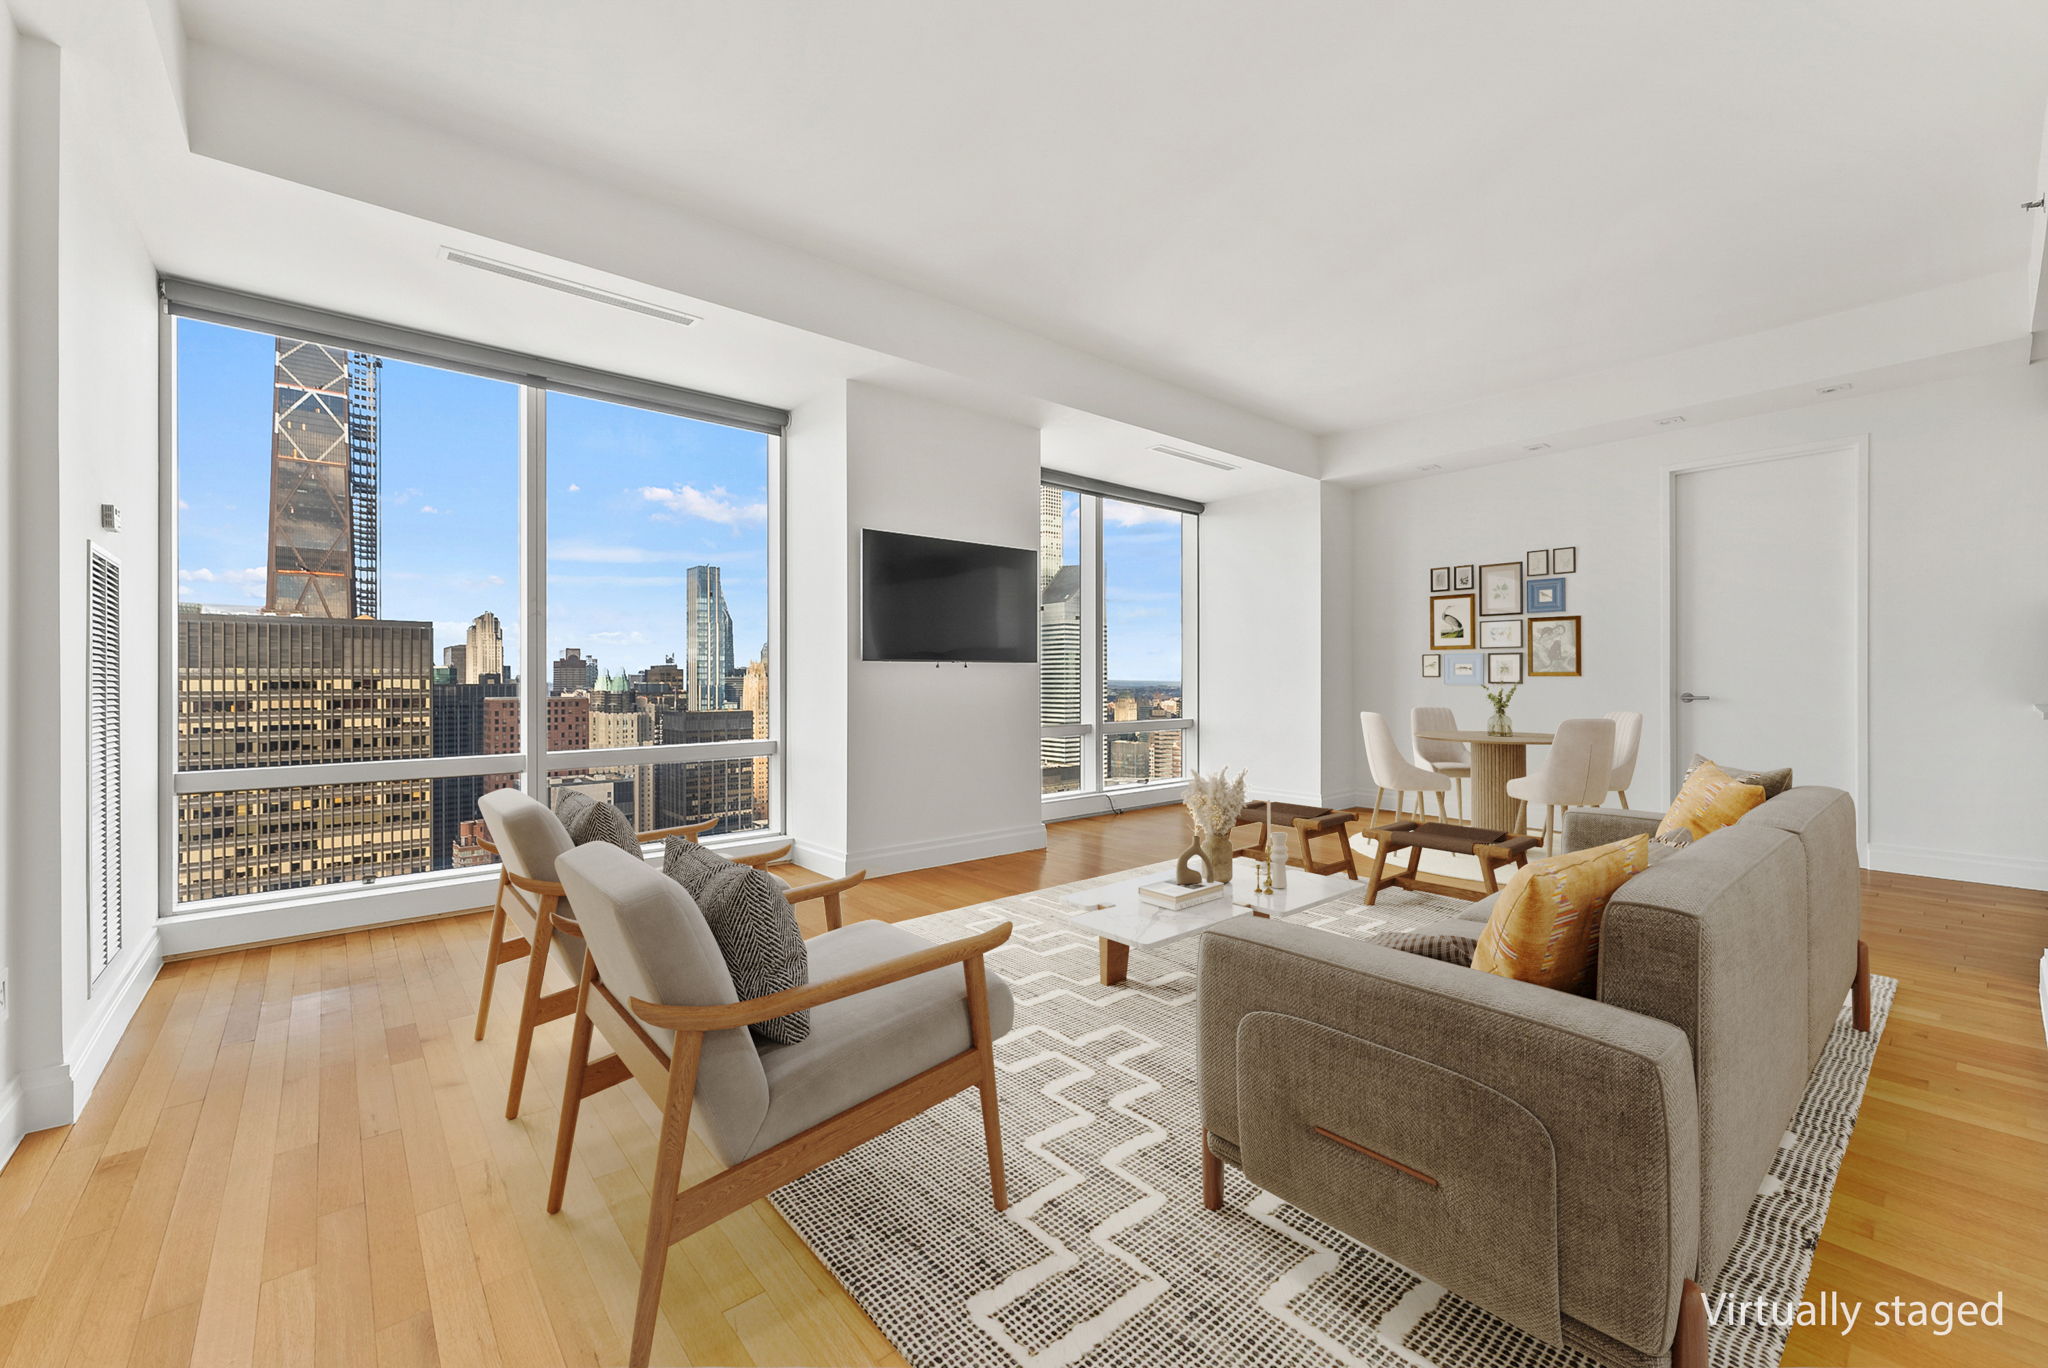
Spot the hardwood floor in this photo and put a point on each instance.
(297, 1156)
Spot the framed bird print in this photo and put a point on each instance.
(1461, 578)
(1450, 622)
(1432, 665)
(1554, 646)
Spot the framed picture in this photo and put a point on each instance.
(1450, 621)
(1440, 580)
(1463, 667)
(1461, 577)
(1539, 562)
(1432, 666)
(1504, 667)
(1500, 589)
(1546, 595)
(1554, 646)
(1564, 560)
(1500, 634)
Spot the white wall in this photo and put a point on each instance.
(1958, 586)
(1275, 641)
(893, 765)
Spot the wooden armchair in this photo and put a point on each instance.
(889, 1039)
(527, 838)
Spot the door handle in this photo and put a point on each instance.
(1694, 698)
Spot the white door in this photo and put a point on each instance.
(1766, 566)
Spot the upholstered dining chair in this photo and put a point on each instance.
(1576, 774)
(528, 838)
(1451, 758)
(890, 1037)
(1392, 770)
(1628, 739)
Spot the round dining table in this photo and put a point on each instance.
(1495, 760)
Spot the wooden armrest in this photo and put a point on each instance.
(765, 858)
(691, 830)
(485, 842)
(826, 889)
(541, 886)
(679, 1018)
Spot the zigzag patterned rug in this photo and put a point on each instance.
(1106, 1258)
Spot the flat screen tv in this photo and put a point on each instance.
(927, 598)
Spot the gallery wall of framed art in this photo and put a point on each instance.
(1501, 622)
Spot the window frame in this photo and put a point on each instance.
(1093, 791)
(536, 379)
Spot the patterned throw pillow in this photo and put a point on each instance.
(1450, 941)
(1712, 798)
(1546, 927)
(587, 820)
(1773, 782)
(754, 925)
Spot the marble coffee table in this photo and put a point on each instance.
(1121, 919)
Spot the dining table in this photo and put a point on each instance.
(1495, 760)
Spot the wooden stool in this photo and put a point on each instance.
(1308, 822)
(1491, 848)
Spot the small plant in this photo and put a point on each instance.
(1500, 698)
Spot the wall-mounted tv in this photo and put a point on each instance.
(927, 598)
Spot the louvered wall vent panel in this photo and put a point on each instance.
(103, 761)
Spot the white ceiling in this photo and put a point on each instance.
(1332, 213)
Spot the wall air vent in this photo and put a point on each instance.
(1209, 461)
(569, 287)
(103, 761)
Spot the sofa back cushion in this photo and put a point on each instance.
(1824, 821)
(1714, 941)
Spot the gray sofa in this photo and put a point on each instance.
(1579, 1167)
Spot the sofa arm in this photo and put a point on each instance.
(1429, 1109)
(1585, 828)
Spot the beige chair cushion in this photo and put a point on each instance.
(863, 1045)
(1545, 927)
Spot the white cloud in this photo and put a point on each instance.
(575, 489)
(428, 508)
(613, 555)
(1137, 515)
(717, 505)
(249, 583)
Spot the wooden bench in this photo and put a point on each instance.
(1491, 848)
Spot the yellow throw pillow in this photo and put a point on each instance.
(1711, 799)
(1546, 926)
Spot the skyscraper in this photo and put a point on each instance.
(754, 702)
(483, 656)
(574, 671)
(1052, 532)
(323, 483)
(709, 624)
(260, 689)
(458, 729)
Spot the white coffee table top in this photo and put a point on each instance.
(1116, 912)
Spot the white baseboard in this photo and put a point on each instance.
(2006, 871)
(55, 1094)
(1066, 807)
(944, 850)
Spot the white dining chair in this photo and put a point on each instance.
(1628, 739)
(1576, 774)
(1392, 770)
(1450, 758)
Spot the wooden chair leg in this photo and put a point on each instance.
(1212, 1177)
(1379, 870)
(483, 997)
(985, 1046)
(1861, 991)
(1689, 1347)
(529, 1005)
(661, 1204)
(1377, 794)
(1624, 797)
(1441, 810)
(1549, 821)
(572, 1092)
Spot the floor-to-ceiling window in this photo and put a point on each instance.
(1115, 651)
(401, 584)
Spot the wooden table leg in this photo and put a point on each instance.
(1379, 868)
(1115, 960)
(1493, 764)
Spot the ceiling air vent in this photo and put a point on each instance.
(1209, 461)
(568, 287)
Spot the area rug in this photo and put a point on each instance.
(1106, 1258)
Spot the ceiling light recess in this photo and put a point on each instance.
(1671, 421)
(568, 287)
(1536, 446)
(1836, 388)
(1209, 461)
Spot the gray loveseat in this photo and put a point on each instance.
(1579, 1167)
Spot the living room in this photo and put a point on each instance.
(1315, 685)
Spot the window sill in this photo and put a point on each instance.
(1061, 807)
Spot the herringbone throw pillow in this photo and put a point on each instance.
(754, 925)
(587, 820)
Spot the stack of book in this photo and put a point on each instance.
(1170, 894)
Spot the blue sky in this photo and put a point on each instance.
(634, 499)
